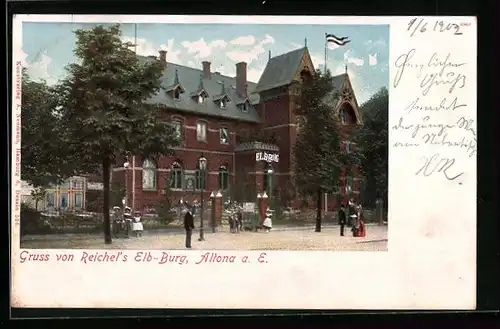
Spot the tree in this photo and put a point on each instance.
(43, 153)
(38, 195)
(318, 155)
(165, 207)
(106, 106)
(374, 141)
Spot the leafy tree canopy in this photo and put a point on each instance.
(105, 100)
(374, 140)
(318, 155)
(106, 108)
(44, 159)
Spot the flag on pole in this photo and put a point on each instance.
(341, 41)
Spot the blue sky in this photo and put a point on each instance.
(48, 48)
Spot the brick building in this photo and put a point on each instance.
(246, 131)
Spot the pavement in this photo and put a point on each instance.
(280, 238)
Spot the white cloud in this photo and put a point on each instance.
(350, 58)
(38, 68)
(254, 74)
(147, 48)
(377, 44)
(267, 40)
(295, 45)
(247, 40)
(199, 49)
(372, 59)
(218, 44)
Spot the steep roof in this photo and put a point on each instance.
(339, 81)
(189, 79)
(281, 70)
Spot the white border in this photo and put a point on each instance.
(431, 258)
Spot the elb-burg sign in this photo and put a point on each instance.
(268, 157)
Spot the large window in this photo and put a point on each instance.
(176, 176)
(200, 179)
(347, 146)
(177, 124)
(63, 201)
(223, 178)
(50, 200)
(77, 184)
(349, 184)
(201, 131)
(148, 175)
(224, 135)
(78, 200)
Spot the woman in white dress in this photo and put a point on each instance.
(268, 222)
(137, 226)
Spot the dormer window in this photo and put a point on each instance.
(176, 88)
(177, 94)
(200, 99)
(244, 106)
(223, 102)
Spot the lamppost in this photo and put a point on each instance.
(202, 166)
(270, 179)
(126, 164)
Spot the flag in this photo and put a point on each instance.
(341, 41)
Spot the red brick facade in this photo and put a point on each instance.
(275, 124)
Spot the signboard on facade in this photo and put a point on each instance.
(268, 157)
(95, 186)
(249, 207)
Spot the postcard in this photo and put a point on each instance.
(251, 162)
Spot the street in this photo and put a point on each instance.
(290, 239)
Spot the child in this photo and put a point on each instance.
(268, 223)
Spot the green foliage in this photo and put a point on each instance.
(374, 142)
(116, 194)
(165, 213)
(317, 148)
(38, 195)
(105, 105)
(45, 159)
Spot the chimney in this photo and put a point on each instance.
(206, 70)
(241, 79)
(163, 57)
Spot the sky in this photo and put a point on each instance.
(48, 48)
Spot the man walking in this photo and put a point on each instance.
(342, 219)
(188, 226)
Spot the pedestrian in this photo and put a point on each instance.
(342, 219)
(188, 226)
(268, 222)
(352, 213)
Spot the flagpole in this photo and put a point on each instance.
(326, 46)
(133, 156)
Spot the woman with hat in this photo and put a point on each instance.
(268, 223)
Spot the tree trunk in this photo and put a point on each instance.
(36, 204)
(318, 211)
(106, 167)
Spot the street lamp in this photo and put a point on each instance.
(202, 166)
(270, 179)
(126, 164)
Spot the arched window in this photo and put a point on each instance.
(200, 178)
(148, 175)
(349, 185)
(176, 176)
(343, 118)
(267, 179)
(223, 178)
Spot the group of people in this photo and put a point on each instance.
(235, 223)
(126, 222)
(351, 215)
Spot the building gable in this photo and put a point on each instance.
(343, 86)
(306, 64)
